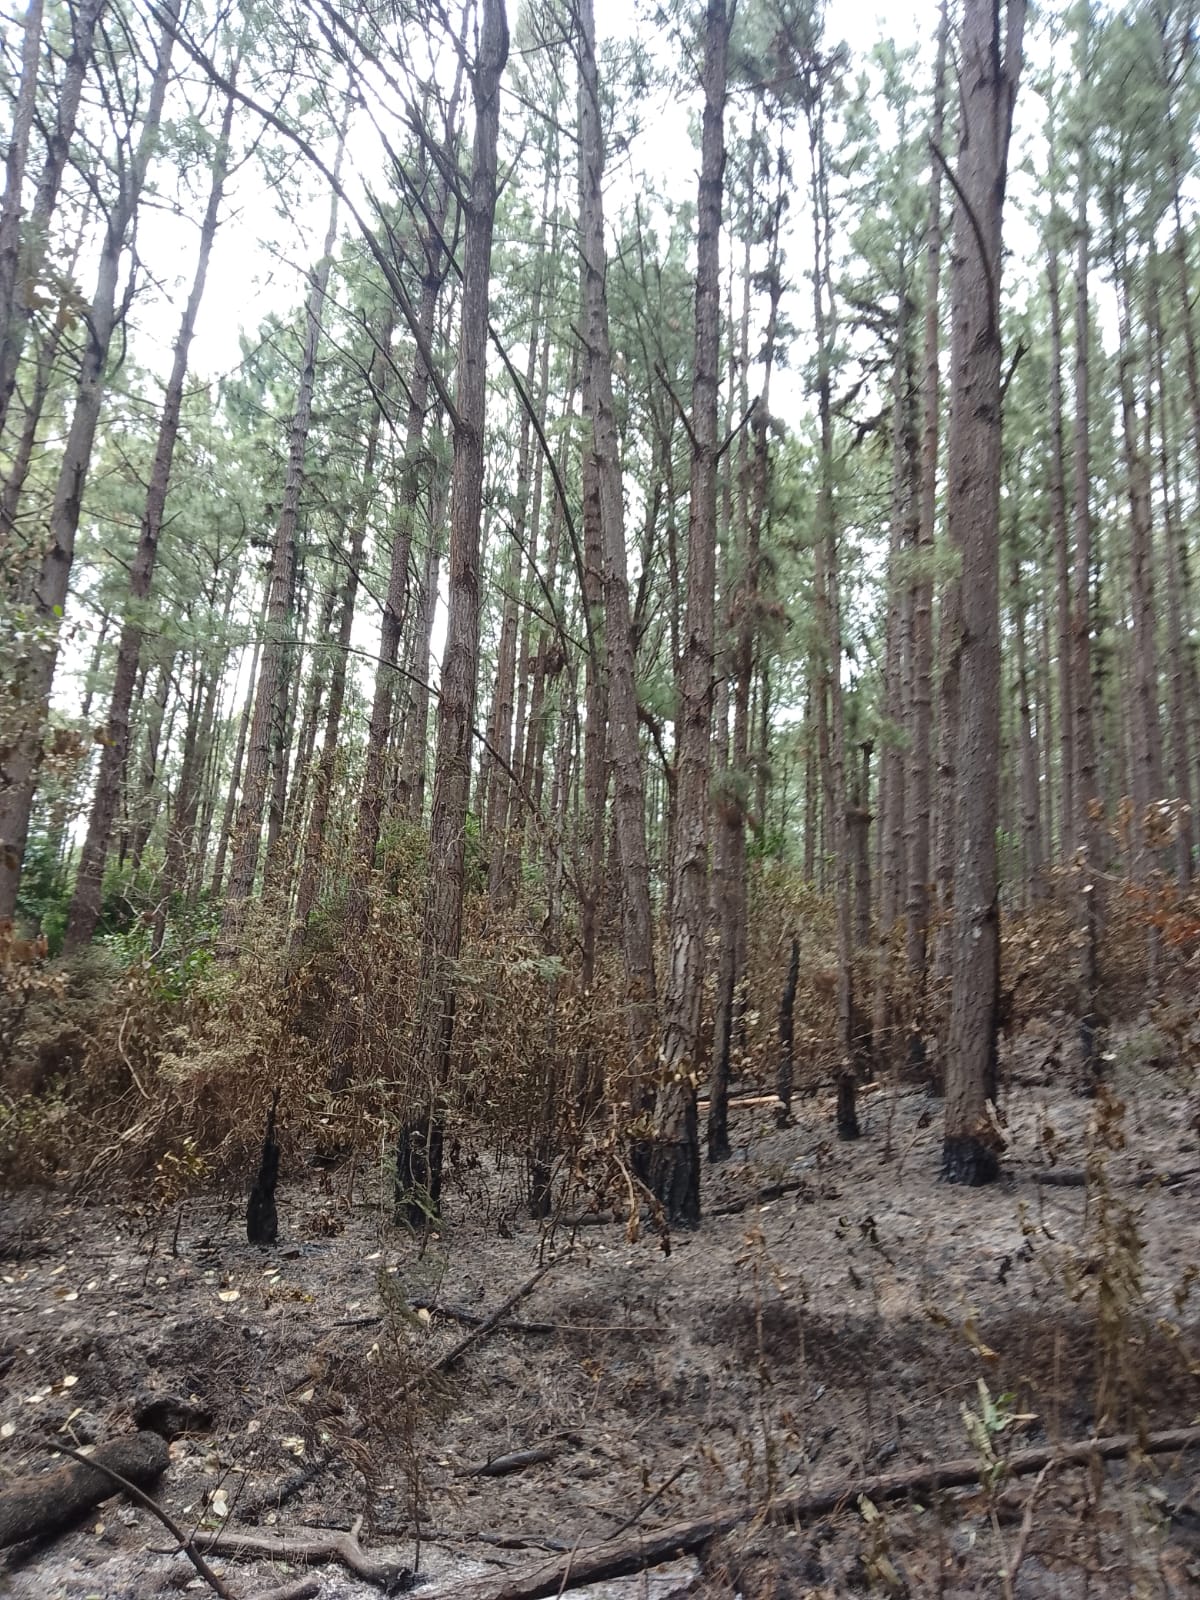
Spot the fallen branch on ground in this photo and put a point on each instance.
(52, 1501)
(309, 1548)
(514, 1461)
(1076, 1178)
(451, 1357)
(143, 1499)
(653, 1548)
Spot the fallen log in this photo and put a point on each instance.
(50, 1502)
(653, 1548)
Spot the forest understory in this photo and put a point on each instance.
(837, 1319)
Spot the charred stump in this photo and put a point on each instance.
(419, 1150)
(262, 1222)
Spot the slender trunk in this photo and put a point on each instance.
(1060, 524)
(416, 461)
(270, 703)
(315, 844)
(85, 902)
(1175, 552)
(1088, 798)
(831, 731)
(410, 794)
(235, 774)
(675, 1161)
(629, 806)
(1031, 822)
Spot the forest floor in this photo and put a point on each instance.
(833, 1333)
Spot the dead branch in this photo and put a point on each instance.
(650, 1549)
(514, 1461)
(51, 1501)
(456, 1352)
(113, 1476)
(310, 1548)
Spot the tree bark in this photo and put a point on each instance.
(989, 72)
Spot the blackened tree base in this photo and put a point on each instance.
(969, 1161)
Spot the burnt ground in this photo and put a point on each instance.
(833, 1332)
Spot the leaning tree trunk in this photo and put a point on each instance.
(85, 902)
(16, 159)
(989, 71)
(22, 759)
(17, 313)
(675, 1157)
(419, 1156)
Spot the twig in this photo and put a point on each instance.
(614, 1560)
(144, 1500)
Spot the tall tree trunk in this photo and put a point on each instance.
(85, 902)
(831, 729)
(629, 805)
(919, 810)
(1175, 553)
(1088, 796)
(734, 801)
(989, 72)
(1060, 524)
(675, 1161)
(22, 759)
(418, 1165)
(1143, 718)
